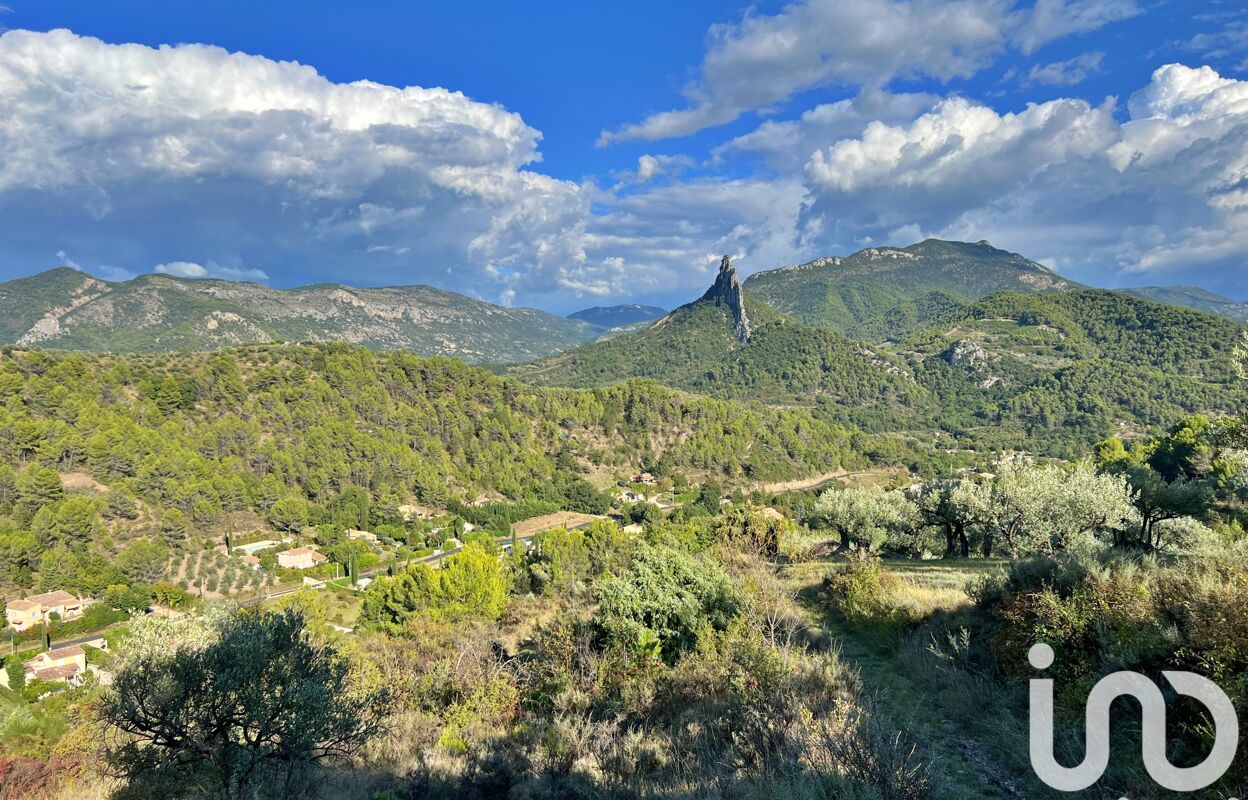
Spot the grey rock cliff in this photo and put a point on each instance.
(726, 292)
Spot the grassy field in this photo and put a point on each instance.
(896, 672)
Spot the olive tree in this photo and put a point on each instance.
(865, 517)
(246, 714)
(955, 507)
(1157, 500)
(1040, 509)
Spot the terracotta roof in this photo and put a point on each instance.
(65, 652)
(56, 598)
(60, 673)
(300, 551)
(22, 605)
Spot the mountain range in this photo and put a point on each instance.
(917, 341)
(1193, 297)
(842, 293)
(884, 330)
(67, 309)
(618, 316)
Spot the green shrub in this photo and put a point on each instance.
(670, 594)
(864, 593)
(471, 583)
(15, 669)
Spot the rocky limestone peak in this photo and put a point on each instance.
(726, 291)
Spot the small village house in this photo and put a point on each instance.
(37, 609)
(362, 536)
(300, 558)
(59, 664)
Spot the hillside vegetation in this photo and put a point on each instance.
(718, 652)
(1049, 372)
(1193, 297)
(841, 293)
(175, 448)
(70, 310)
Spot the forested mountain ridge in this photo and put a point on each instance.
(1056, 330)
(726, 344)
(1193, 297)
(840, 293)
(67, 309)
(1077, 365)
(1045, 371)
(213, 430)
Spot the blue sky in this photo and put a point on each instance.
(595, 153)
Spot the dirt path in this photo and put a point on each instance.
(967, 770)
(798, 484)
(824, 478)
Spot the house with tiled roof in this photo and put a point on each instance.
(301, 558)
(58, 664)
(35, 610)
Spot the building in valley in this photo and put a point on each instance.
(301, 558)
(67, 664)
(37, 609)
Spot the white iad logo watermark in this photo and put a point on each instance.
(1133, 684)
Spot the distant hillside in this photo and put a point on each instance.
(1057, 368)
(727, 345)
(1193, 297)
(1043, 371)
(842, 293)
(65, 308)
(618, 316)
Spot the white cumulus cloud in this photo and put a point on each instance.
(189, 153)
(1165, 192)
(763, 60)
(766, 59)
(189, 269)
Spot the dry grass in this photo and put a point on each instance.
(546, 522)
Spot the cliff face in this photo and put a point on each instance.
(726, 291)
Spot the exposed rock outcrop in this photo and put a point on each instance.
(973, 358)
(67, 309)
(965, 353)
(726, 292)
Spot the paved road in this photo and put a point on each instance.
(37, 644)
